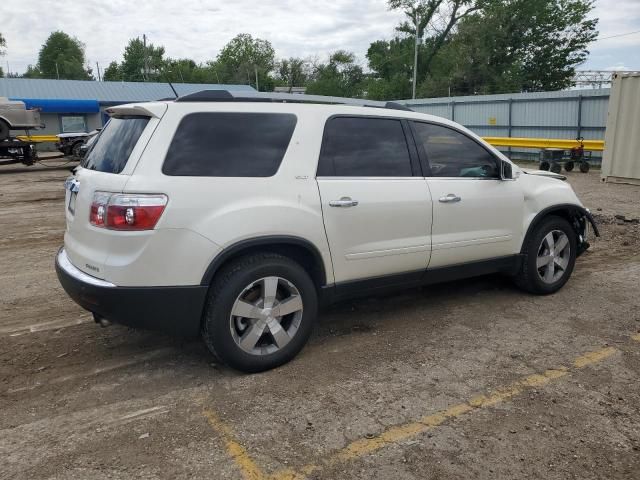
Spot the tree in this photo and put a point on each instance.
(3, 45)
(244, 58)
(514, 45)
(140, 63)
(434, 19)
(391, 63)
(292, 72)
(61, 56)
(340, 77)
(112, 73)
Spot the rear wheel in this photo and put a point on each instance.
(568, 166)
(4, 130)
(75, 150)
(555, 167)
(260, 312)
(584, 167)
(549, 257)
(544, 165)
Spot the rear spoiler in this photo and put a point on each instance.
(155, 110)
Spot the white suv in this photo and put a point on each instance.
(237, 217)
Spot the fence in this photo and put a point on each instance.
(564, 114)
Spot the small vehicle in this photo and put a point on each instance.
(84, 148)
(14, 115)
(553, 159)
(71, 143)
(235, 217)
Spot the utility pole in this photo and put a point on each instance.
(415, 56)
(57, 72)
(144, 56)
(257, 86)
(98, 68)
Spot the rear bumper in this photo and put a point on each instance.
(173, 310)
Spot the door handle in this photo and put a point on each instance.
(450, 198)
(344, 202)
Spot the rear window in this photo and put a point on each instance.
(110, 152)
(220, 144)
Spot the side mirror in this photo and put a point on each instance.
(506, 170)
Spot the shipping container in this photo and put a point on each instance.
(621, 160)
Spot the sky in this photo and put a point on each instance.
(198, 29)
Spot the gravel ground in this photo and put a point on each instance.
(472, 379)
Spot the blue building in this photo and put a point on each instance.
(78, 105)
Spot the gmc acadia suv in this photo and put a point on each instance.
(235, 217)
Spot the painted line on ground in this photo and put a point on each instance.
(247, 466)
(361, 447)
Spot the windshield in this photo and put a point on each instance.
(116, 141)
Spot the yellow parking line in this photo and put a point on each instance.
(358, 448)
(246, 465)
(361, 447)
(593, 357)
(636, 337)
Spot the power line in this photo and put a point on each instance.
(615, 36)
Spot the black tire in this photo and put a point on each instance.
(555, 167)
(228, 284)
(584, 167)
(4, 130)
(75, 149)
(568, 166)
(528, 278)
(544, 165)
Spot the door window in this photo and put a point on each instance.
(364, 147)
(453, 154)
(229, 144)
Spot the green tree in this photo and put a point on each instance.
(391, 64)
(3, 45)
(112, 73)
(514, 45)
(243, 58)
(433, 20)
(61, 56)
(292, 72)
(140, 63)
(341, 76)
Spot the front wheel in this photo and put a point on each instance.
(260, 312)
(549, 257)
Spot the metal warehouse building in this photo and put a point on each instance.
(563, 114)
(78, 106)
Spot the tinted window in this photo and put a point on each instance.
(364, 147)
(453, 154)
(115, 143)
(208, 144)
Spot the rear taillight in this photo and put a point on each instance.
(126, 211)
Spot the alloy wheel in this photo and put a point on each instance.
(266, 315)
(553, 258)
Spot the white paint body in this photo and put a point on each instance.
(398, 226)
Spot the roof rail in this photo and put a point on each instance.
(273, 97)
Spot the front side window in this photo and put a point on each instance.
(221, 144)
(364, 147)
(114, 145)
(453, 154)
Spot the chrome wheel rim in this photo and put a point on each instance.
(266, 315)
(553, 256)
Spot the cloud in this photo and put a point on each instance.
(198, 29)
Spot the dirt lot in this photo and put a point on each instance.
(467, 380)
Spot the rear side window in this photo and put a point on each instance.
(112, 149)
(218, 144)
(364, 147)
